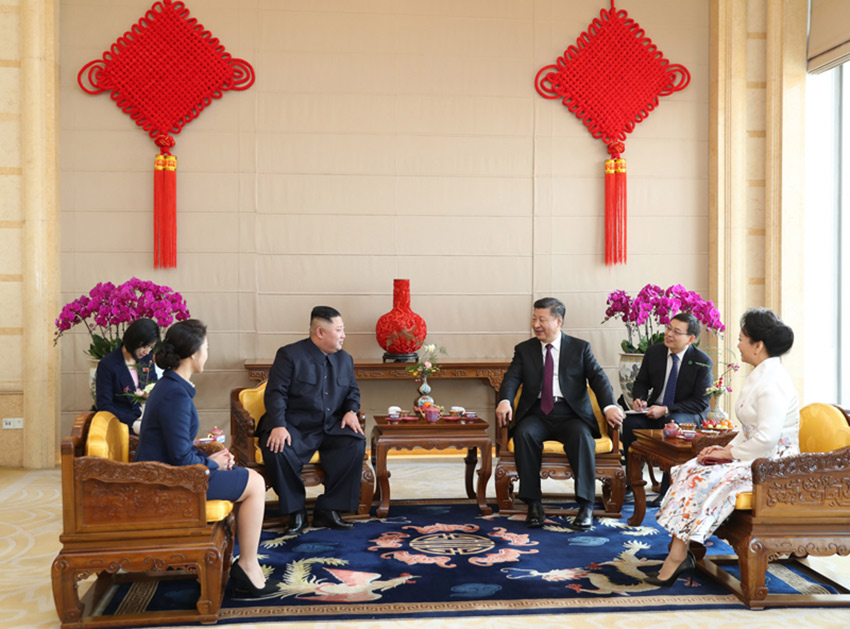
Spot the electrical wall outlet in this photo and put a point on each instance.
(13, 422)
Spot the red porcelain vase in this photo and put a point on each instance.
(401, 331)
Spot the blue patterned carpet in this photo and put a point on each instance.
(447, 560)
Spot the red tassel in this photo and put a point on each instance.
(165, 206)
(610, 209)
(615, 205)
(158, 211)
(620, 240)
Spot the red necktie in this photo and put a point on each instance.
(547, 400)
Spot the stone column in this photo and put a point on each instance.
(40, 248)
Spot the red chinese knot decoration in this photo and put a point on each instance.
(162, 73)
(611, 80)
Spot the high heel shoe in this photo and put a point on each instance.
(243, 585)
(689, 563)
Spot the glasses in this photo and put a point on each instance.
(670, 328)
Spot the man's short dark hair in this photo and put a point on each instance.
(325, 313)
(694, 326)
(556, 306)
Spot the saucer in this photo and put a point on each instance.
(409, 418)
(453, 418)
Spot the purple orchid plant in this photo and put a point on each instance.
(108, 309)
(646, 315)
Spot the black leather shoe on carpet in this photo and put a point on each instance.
(584, 519)
(297, 522)
(535, 517)
(330, 519)
(655, 502)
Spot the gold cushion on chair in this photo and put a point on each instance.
(217, 510)
(604, 445)
(744, 500)
(108, 438)
(823, 428)
(253, 401)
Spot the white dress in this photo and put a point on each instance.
(702, 496)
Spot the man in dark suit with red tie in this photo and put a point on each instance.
(312, 400)
(671, 384)
(554, 370)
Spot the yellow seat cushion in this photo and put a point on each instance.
(744, 500)
(604, 445)
(253, 401)
(822, 429)
(217, 510)
(108, 438)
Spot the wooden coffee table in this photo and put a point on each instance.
(652, 448)
(469, 433)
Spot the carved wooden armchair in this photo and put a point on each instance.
(135, 522)
(247, 406)
(799, 506)
(555, 465)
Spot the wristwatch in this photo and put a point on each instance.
(666, 411)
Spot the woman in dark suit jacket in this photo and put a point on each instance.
(125, 369)
(167, 435)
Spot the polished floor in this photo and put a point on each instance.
(30, 523)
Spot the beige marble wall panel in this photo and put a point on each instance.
(284, 193)
(306, 72)
(219, 309)
(326, 153)
(112, 191)
(10, 139)
(445, 235)
(10, 40)
(10, 90)
(584, 272)
(465, 115)
(467, 274)
(10, 366)
(661, 197)
(324, 113)
(464, 196)
(10, 197)
(755, 167)
(195, 236)
(11, 441)
(755, 107)
(10, 297)
(10, 251)
(323, 235)
(330, 273)
(464, 155)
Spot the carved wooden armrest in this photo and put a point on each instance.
(210, 448)
(242, 427)
(703, 441)
(110, 493)
(810, 485)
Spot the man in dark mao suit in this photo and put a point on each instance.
(555, 407)
(312, 400)
(661, 398)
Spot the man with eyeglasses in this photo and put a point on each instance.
(670, 385)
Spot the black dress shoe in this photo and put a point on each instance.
(297, 522)
(584, 519)
(243, 585)
(689, 563)
(535, 517)
(330, 519)
(655, 502)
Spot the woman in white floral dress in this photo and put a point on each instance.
(701, 494)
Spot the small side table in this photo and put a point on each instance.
(651, 447)
(469, 433)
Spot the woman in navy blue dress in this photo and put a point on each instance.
(126, 369)
(167, 435)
